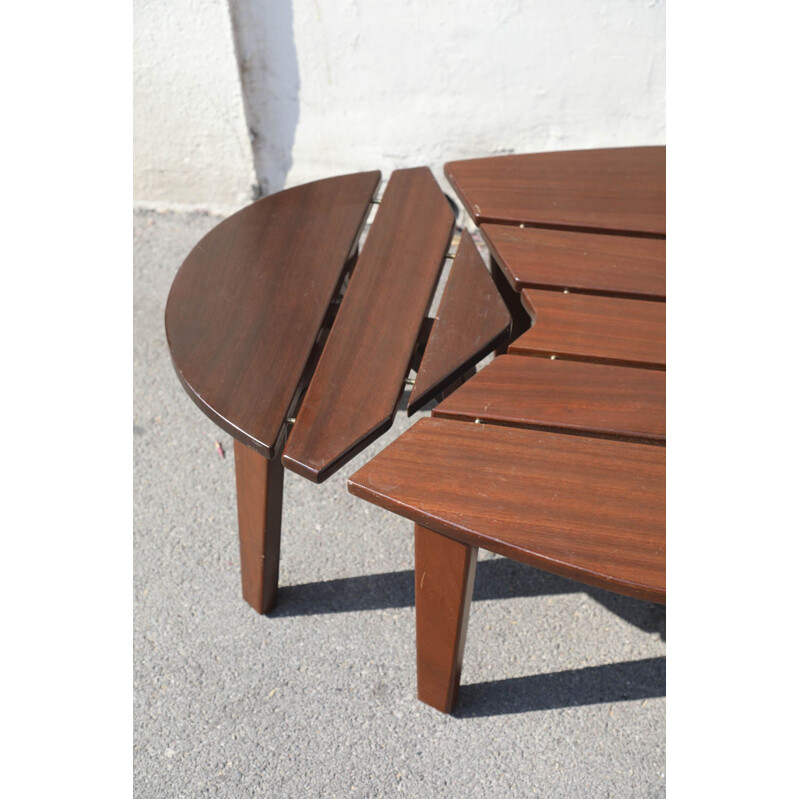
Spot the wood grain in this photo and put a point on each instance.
(259, 500)
(620, 190)
(358, 382)
(444, 577)
(565, 396)
(623, 266)
(471, 320)
(606, 330)
(588, 509)
(247, 304)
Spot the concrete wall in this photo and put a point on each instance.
(189, 132)
(332, 87)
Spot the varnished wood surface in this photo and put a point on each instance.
(624, 266)
(471, 320)
(444, 577)
(246, 306)
(583, 327)
(259, 500)
(358, 382)
(620, 189)
(565, 396)
(588, 509)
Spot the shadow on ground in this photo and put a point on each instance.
(609, 683)
(498, 579)
(495, 579)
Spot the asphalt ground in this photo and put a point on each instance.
(563, 686)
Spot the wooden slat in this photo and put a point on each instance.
(605, 330)
(246, 306)
(358, 383)
(567, 396)
(619, 190)
(588, 509)
(625, 266)
(471, 321)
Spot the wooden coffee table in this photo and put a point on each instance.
(554, 454)
(299, 342)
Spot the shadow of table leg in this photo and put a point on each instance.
(259, 498)
(606, 683)
(444, 578)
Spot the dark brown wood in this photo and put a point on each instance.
(471, 320)
(564, 396)
(622, 266)
(359, 380)
(458, 382)
(259, 498)
(444, 577)
(520, 318)
(422, 342)
(588, 509)
(620, 190)
(246, 306)
(606, 330)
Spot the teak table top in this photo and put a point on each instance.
(275, 314)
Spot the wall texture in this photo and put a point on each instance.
(333, 87)
(189, 132)
(338, 87)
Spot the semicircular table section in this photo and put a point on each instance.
(247, 305)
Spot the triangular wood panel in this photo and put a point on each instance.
(472, 320)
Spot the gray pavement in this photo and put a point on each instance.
(563, 687)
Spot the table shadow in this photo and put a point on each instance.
(495, 579)
(608, 683)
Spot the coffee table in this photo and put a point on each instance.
(298, 338)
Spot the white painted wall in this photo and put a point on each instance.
(189, 132)
(335, 86)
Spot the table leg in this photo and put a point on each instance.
(259, 497)
(444, 577)
(520, 318)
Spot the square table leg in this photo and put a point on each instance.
(259, 497)
(443, 582)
